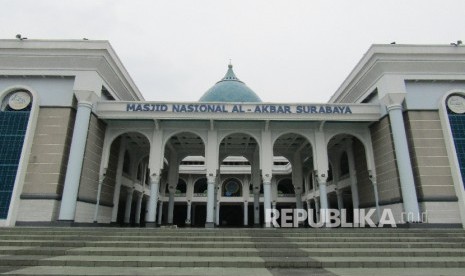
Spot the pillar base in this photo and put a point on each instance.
(257, 225)
(150, 225)
(209, 225)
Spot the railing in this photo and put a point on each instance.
(286, 195)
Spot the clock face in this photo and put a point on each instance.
(19, 100)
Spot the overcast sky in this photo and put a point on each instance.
(286, 51)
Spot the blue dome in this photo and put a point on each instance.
(230, 89)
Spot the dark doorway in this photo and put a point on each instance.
(199, 215)
(231, 216)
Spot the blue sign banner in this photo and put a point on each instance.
(239, 108)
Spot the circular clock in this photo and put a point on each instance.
(19, 100)
(456, 104)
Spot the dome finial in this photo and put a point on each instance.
(230, 63)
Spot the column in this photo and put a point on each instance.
(404, 166)
(139, 207)
(256, 207)
(317, 209)
(170, 207)
(298, 200)
(152, 211)
(118, 180)
(212, 166)
(216, 208)
(246, 213)
(127, 210)
(188, 216)
(273, 205)
(266, 193)
(322, 168)
(210, 201)
(340, 199)
(76, 156)
(99, 192)
(375, 192)
(217, 220)
(323, 199)
(309, 207)
(352, 175)
(160, 212)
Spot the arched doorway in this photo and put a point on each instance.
(127, 179)
(239, 160)
(231, 212)
(180, 146)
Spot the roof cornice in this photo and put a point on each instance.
(64, 58)
(445, 61)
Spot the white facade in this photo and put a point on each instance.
(95, 152)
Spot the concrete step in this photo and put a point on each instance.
(62, 237)
(191, 244)
(141, 250)
(238, 252)
(242, 262)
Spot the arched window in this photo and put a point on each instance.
(181, 188)
(285, 187)
(14, 117)
(232, 188)
(200, 187)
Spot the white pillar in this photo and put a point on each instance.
(212, 166)
(118, 180)
(323, 200)
(188, 216)
(375, 192)
(340, 199)
(210, 201)
(298, 200)
(217, 221)
(266, 194)
(246, 213)
(160, 212)
(76, 157)
(317, 209)
(216, 207)
(127, 210)
(138, 207)
(152, 211)
(256, 207)
(404, 166)
(353, 175)
(273, 204)
(170, 207)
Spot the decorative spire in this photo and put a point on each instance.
(230, 76)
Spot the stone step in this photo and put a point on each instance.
(94, 251)
(229, 239)
(215, 271)
(238, 252)
(249, 262)
(238, 232)
(189, 245)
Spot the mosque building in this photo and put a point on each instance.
(79, 145)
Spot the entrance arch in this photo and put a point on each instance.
(181, 148)
(239, 167)
(352, 185)
(126, 180)
(294, 152)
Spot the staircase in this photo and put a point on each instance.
(134, 251)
